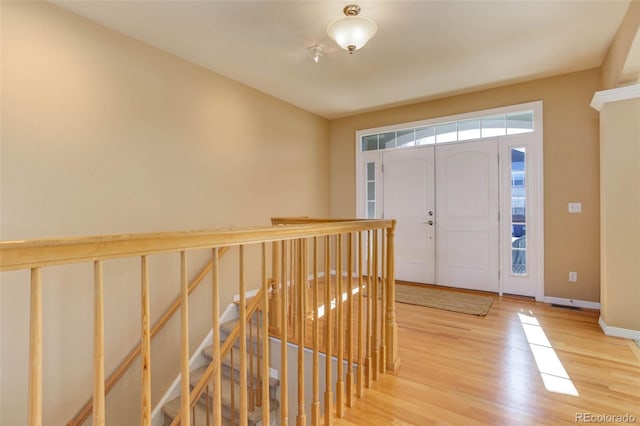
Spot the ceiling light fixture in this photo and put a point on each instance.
(353, 31)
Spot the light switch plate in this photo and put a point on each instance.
(575, 207)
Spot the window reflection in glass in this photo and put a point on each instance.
(518, 212)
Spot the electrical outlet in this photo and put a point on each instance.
(575, 207)
(573, 277)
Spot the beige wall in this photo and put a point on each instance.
(613, 66)
(102, 134)
(620, 210)
(571, 168)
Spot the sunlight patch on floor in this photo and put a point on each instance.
(345, 296)
(554, 376)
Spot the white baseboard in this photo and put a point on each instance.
(572, 302)
(625, 333)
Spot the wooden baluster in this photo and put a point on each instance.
(284, 398)
(295, 270)
(184, 342)
(315, 405)
(145, 352)
(383, 298)
(276, 285)
(243, 343)
(207, 406)
(328, 394)
(393, 362)
(340, 330)
(367, 374)
(232, 389)
(258, 381)
(35, 349)
(251, 391)
(374, 312)
(361, 353)
(265, 338)
(350, 260)
(292, 288)
(301, 419)
(98, 345)
(215, 324)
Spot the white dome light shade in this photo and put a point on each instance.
(352, 32)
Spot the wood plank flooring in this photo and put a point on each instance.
(466, 370)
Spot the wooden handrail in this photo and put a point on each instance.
(300, 220)
(87, 408)
(15, 255)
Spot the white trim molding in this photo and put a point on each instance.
(625, 333)
(613, 95)
(572, 302)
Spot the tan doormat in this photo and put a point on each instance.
(444, 299)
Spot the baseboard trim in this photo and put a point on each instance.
(625, 333)
(572, 302)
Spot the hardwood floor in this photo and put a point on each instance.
(496, 370)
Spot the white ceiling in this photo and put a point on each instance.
(423, 49)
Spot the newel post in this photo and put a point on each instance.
(391, 327)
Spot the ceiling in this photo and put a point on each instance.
(423, 49)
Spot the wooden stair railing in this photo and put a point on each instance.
(350, 321)
(128, 361)
(358, 320)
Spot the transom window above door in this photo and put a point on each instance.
(489, 126)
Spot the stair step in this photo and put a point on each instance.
(226, 367)
(172, 408)
(195, 375)
(227, 327)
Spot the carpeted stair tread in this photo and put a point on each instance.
(208, 352)
(172, 408)
(254, 416)
(252, 336)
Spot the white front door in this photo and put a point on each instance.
(409, 198)
(467, 225)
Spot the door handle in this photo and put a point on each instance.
(429, 222)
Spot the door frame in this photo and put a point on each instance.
(535, 186)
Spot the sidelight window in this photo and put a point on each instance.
(518, 211)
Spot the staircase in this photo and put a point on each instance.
(354, 329)
(230, 384)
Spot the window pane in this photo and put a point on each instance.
(406, 138)
(387, 140)
(518, 212)
(371, 191)
(425, 135)
(371, 171)
(371, 210)
(519, 265)
(468, 129)
(370, 143)
(446, 132)
(493, 125)
(519, 122)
